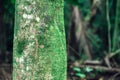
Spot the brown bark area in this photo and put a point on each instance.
(77, 39)
(78, 36)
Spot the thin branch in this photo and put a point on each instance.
(73, 49)
(109, 25)
(113, 78)
(113, 53)
(101, 68)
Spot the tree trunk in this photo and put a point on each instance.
(116, 27)
(39, 40)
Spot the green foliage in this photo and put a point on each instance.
(80, 75)
(87, 69)
(76, 2)
(9, 6)
(82, 72)
(21, 45)
(77, 69)
(100, 18)
(98, 30)
(12, 1)
(116, 27)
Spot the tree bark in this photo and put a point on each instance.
(39, 40)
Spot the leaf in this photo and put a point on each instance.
(80, 75)
(77, 69)
(87, 69)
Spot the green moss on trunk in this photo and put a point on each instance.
(39, 40)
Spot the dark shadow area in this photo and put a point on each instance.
(7, 10)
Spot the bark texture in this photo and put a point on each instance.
(39, 40)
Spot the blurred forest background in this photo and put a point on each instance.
(92, 34)
(6, 30)
(7, 8)
(93, 39)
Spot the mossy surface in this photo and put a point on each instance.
(39, 40)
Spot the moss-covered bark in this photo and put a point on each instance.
(39, 40)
